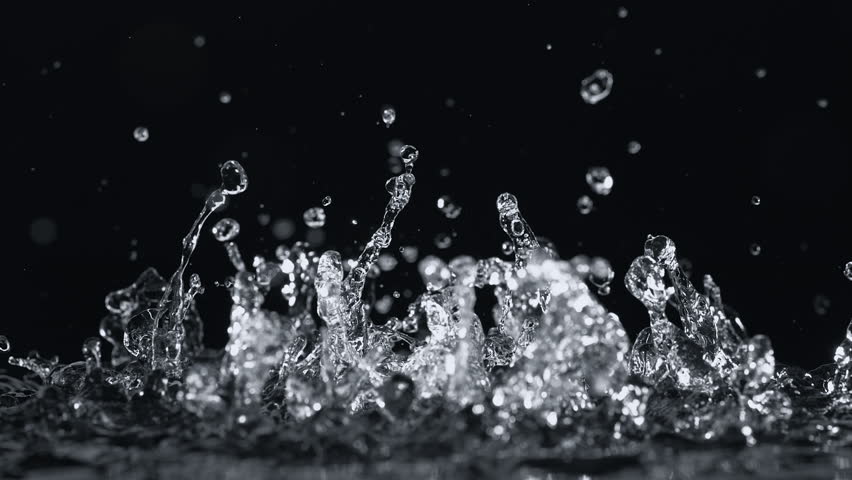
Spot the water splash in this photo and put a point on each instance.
(555, 378)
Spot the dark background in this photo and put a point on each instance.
(477, 90)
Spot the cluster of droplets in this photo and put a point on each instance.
(556, 364)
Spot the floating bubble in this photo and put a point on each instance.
(585, 205)
(409, 154)
(199, 41)
(283, 228)
(449, 208)
(314, 217)
(443, 241)
(755, 200)
(5, 345)
(326, 201)
(141, 134)
(226, 229)
(599, 180)
(760, 73)
(507, 248)
(409, 253)
(596, 86)
(754, 249)
(224, 97)
(822, 102)
(622, 12)
(633, 147)
(388, 116)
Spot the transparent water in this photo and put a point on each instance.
(316, 387)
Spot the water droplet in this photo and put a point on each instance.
(388, 116)
(5, 345)
(199, 41)
(507, 248)
(446, 205)
(760, 73)
(848, 270)
(822, 102)
(622, 12)
(326, 201)
(234, 178)
(633, 147)
(226, 229)
(821, 305)
(443, 241)
(409, 154)
(224, 97)
(755, 200)
(43, 231)
(658, 51)
(283, 228)
(754, 249)
(585, 204)
(599, 180)
(596, 86)
(604, 290)
(141, 134)
(314, 217)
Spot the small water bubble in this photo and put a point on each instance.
(314, 217)
(633, 147)
(754, 249)
(507, 248)
(848, 270)
(622, 12)
(446, 205)
(141, 134)
(822, 102)
(658, 51)
(585, 205)
(388, 116)
(326, 201)
(599, 180)
(760, 73)
(43, 231)
(443, 241)
(409, 154)
(5, 345)
(234, 178)
(263, 219)
(224, 97)
(226, 229)
(409, 253)
(755, 200)
(596, 86)
(199, 41)
(283, 228)
(821, 305)
(548, 46)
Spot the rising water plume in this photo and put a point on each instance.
(556, 378)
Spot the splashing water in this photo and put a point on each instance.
(320, 377)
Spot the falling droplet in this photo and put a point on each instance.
(226, 229)
(507, 248)
(848, 270)
(5, 345)
(141, 134)
(314, 217)
(234, 178)
(755, 200)
(326, 201)
(622, 12)
(199, 41)
(585, 205)
(224, 97)
(754, 249)
(446, 205)
(760, 73)
(409, 154)
(443, 241)
(599, 180)
(596, 86)
(388, 116)
(633, 147)
(822, 103)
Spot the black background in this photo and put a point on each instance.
(308, 82)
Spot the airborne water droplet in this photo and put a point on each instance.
(5, 345)
(409, 154)
(848, 270)
(585, 204)
(622, 12)
(141, 134)
(326, 201)
(388, 116)
(314, 217)
(754, 249)
(226, 229)
(633, 147)
(599, 180)
(755, 200)
(760, 73)
(596, 86)
(507, 248)
(234, 178)
(443, 240)
(446, 205)
(225, 97)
